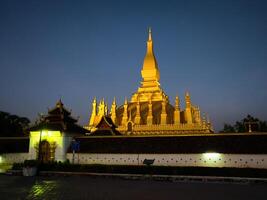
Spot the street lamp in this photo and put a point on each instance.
(249, 123)
(40, 147)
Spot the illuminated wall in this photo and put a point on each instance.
(57, 138)
(11, 158)
(210, 159)
(1, 159)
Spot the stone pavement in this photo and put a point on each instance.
(86, 187)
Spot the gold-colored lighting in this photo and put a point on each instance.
(212, 156)
(50, 136)
(149, 110)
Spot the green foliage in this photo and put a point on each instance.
(243, 126)
(30, 163)
(227, 128)
(17, 166)
(12, 125)
(5, 167)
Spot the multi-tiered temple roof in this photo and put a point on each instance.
(59, 119)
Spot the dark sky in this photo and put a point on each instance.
(80, 49)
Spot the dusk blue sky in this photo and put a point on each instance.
(76, 50)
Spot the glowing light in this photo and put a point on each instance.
(50, 136)
(39, 189)
(211, 155)
(1, 159)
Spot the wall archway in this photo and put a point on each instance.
(47, 153)
(130, 127)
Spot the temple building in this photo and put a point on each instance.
(51, 137)
(146, 130)
(149, 111)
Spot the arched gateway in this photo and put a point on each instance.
(47, 154)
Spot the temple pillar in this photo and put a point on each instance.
(137, 118)
(149, 116)
(163, 116)
(101, 108)
(106, 109)
(93, 114)
(113, 111)
(188, 111)
(204, 123)
(125, 113)
(177, 111)
(197, 117)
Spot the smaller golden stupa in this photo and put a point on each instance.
(149, 111)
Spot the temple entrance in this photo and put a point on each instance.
(46, 152)
(130, 127)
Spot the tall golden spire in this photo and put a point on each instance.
(149, 34)
(150, 71)
(150, 86)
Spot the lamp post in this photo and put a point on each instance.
(249, 123)
(73, 150)
(40, 147)
(75, 146)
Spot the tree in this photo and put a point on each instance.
(227, 128)
(263, 126)
(242, 126)
(12, 125)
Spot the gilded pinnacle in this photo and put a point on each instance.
(149, 34)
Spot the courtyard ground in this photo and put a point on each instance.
(81, 187)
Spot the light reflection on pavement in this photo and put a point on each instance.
(85, 187)
(43, 189)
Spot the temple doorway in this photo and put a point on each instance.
(46, 152)
(130, 127)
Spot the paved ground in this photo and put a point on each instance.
(75, 187)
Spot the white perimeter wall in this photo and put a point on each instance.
(10, 158)
(202, 160)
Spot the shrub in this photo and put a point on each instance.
(30, 163)
(17, 166)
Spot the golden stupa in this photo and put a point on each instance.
(149, 111)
